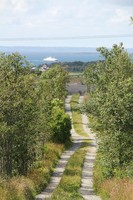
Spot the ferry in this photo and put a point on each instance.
(50, 59)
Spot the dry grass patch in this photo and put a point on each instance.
(26, 187)
(118, 189)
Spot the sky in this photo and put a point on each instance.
(66, 18)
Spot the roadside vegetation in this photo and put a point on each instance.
(34, 128)
(26, 187)
(76, 115)
(109, 106)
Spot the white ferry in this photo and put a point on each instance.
(50, 59)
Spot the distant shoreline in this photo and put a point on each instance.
(35, 55)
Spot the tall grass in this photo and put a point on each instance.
(76, 115)
(115, 188)
(118, 189)
(25, 188)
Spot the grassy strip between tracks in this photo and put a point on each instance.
(71, 179)
(76, 115)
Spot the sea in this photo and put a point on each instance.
(35, 55)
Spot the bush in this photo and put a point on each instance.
(61, 124)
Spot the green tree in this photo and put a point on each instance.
(60, 123)
(111, 103)
(17, 116)
(51, 87)
(27, 117)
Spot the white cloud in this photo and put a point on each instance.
(19, 5)
(64, 17)
(121, 16)
(4, 5)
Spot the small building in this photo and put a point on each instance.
(73, 88)
(43, 68)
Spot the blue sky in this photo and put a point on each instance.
(66, 18)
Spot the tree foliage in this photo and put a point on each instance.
(131, 19)
(60, 123)
(17, 116)
(111, 103)
(51, 90)
(26, 111)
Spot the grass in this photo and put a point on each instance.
(114, 188)
(71, 179)
(118, 189)
(75, 77)
(26, 188)
(76, 115)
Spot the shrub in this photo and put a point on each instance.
(61, 123)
